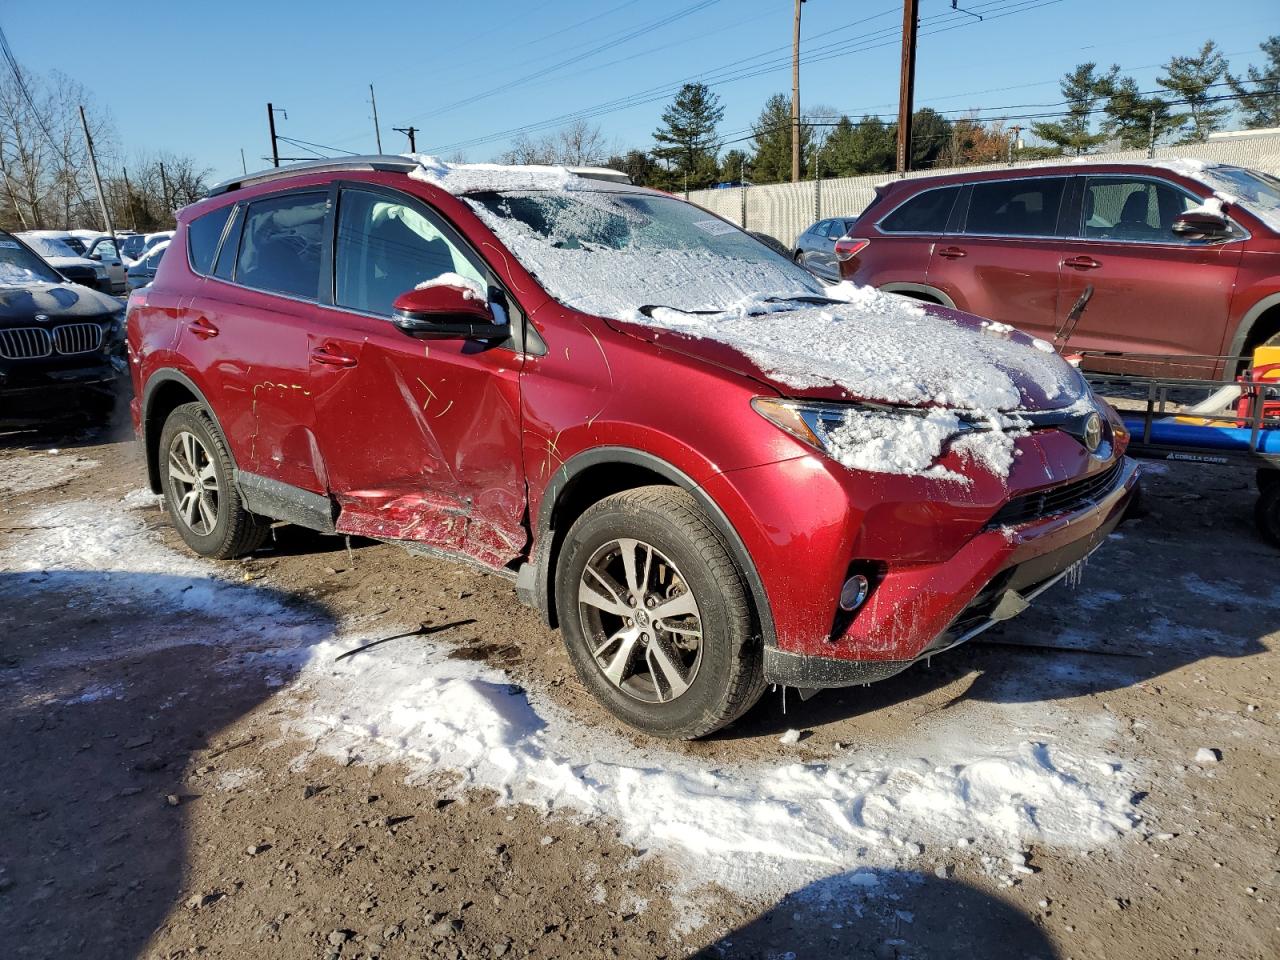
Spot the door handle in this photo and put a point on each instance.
(1081, 263)
(952, 253)
(203, 328)
(331, 358)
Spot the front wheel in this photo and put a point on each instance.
(655, 615)
(1267, 513)
(203, 502)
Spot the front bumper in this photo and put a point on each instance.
(1026, 573)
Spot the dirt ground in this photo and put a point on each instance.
(173, 818)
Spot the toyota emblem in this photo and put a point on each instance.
(1093, 433)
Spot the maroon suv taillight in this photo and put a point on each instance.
(849, 247)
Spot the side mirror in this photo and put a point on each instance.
(1196, 225)
(446, 312)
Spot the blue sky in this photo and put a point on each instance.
(197, 77)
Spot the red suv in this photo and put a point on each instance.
(709, 471)
(1183, 257)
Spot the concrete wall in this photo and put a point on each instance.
(785, 210)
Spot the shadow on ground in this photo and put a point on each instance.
(885, 915)
(112, 685)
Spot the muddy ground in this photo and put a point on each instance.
(172, 818)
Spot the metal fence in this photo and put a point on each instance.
(785, 210)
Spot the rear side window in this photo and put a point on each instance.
(281, 243)
(203, 234)
(927, 212)
(1022, 208)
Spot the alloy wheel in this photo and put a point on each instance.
(193, 483)
(641, 620)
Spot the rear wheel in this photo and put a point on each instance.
(655, 615)
(203, 502)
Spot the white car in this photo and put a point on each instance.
(71, 238)
(66, 261)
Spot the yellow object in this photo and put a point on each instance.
(1262, 357)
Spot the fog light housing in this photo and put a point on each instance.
(853, 592)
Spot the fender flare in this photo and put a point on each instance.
(534, 579)
(161, 377)
(934, 292)
(1245, 327)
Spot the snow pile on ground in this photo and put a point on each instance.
(753, 828)
(39, 471)
(460, 178)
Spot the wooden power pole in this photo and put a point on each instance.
(907, 87)
(795, 97)
(409, 132)
(377, 131)
(97, 180)
(271, 122)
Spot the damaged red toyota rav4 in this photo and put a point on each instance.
(711, 472)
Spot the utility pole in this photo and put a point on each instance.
(1014, 133)
(795, 96)
(243, 166)
(377, 133)
(271, 122)
(128, 199)
(1151, 137)
(408, 132)
(164, 189)
(907, 85)
(97, 180)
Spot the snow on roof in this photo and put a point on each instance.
(460, 178)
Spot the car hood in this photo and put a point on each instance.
(57, 301)
(873, 347)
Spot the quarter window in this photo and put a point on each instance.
(1020, 208)
(281, 243)
(387, 248)
(1121, 208)
(203, 234)
(926, 212)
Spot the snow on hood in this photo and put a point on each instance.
(882, 347)
(460, 178)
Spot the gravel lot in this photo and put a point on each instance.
(189, 770)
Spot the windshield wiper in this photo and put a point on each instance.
(815, 300)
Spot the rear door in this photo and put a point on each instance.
(1153, 291)
(905, 238)
(1004, 260)
(247, 331)
(420, 438)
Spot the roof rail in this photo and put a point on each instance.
(384, 161)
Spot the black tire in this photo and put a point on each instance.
(1267, 513)
(1267, 478)
(728, 677)
(234, 531)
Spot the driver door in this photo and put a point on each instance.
(420, 438)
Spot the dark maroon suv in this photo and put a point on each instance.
(1183, 256)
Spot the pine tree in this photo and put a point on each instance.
(636, 164)
(1260, 100)
(687, 140)
(1192, 81)
(1082, 88)
(733, 165)
(1129, 115)
(930, 136)
(772, 136)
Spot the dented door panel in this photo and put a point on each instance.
(421, 439)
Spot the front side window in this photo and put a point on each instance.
(609, 253)
(1015, 208)
(281, 243)
(927, 212)
(203, 234)
(1126, 208)
(386, 248)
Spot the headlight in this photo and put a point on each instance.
(100, 272)
(880, 438)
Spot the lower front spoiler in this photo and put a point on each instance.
(816, 673)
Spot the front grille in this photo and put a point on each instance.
(25, 343)
(1055, 500)
(77, 337)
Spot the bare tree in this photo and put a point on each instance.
(578, 144)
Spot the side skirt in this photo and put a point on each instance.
(282, 501)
